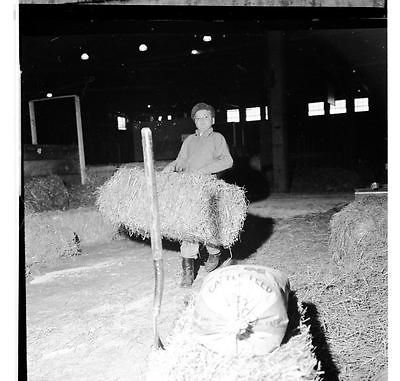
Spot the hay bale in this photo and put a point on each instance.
(186, 359)
(359, 293)
(45, 193)
(45, 241)
(358, 229)
(87, 223)
(192, 207)
(54, 234)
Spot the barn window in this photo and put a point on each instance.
(339, 107)
(266, 112)
(253, 113)
(121, 123)
(316, 108)
(361, 104)
(232, 115)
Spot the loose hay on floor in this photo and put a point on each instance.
(358, 323)
(45, 193)
(186, 359)
(350, 301)
(192, 207)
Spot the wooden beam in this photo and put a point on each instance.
(254, 3)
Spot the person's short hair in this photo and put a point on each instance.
(202, 106)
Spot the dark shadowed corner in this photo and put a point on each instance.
(322, 349)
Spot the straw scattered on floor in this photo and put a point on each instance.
(349, 296)
(186, 359)
(358, 245)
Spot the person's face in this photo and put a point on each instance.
(203, 120)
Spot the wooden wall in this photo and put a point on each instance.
(42, 160)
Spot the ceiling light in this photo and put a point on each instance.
(195, 51)
(148, 106)
(160, 118)
(49, 95)
(142, 47)
(169, 117)
(207, 38)
(84, 56)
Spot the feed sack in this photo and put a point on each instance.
(242, 309)
(192, 207)
(185, 358)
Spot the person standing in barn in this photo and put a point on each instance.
(205, 152)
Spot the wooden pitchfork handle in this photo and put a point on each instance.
(156, 246)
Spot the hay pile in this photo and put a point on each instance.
(347, 304)
(45, 241)
(84, 195)
(359, 290)
(54, 234)
(186, 359)
(192, 207)
(359, 228)
(355, 309)
(45, 193)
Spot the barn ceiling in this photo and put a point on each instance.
(257, 3)
(349, 46)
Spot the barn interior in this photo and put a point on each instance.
(300, 94)
(262, 68)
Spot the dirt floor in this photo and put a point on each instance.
(89, 317)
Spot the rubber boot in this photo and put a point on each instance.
(188, 272)
(212, 262)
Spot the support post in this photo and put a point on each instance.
(80, 139)
(33, 122)
(278, 111)
(234, 134)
